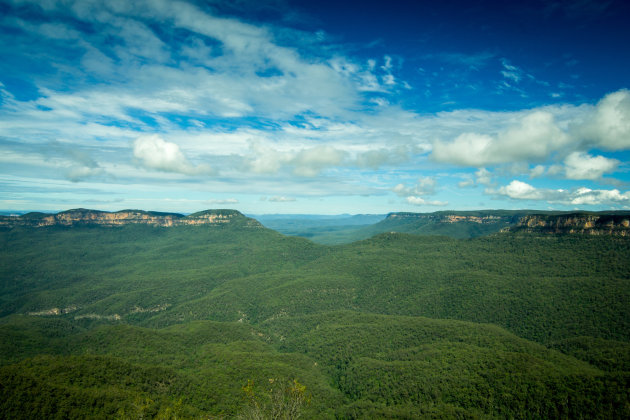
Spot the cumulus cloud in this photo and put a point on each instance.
(537, 136)
(310, 162)
(594, 197)
(424, 186)
(155, 153)
(534, 137)
(522, 191)
(304, 162)
(413, 194)
(584, 166)
(267, 160)
(468, 149)
(302, 109)
(519, 190)
(419, 201)
(608, 124)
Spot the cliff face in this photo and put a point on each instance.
(531, 221)
(78, 217)
(585, 223)
(443, 217)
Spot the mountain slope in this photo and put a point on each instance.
(355, 365)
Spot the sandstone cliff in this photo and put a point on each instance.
(585, 223)
(488, 217)
(78, 217)
(484, 222)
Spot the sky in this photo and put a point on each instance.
(314, 107)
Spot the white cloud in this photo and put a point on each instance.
(389, 79)
(468, 149)
(413, 195)
(155, 153)
(515, 77)
(521, 191)
(305, 162)
(534, 137)
(267, 160)
(518, 190)
(537, 135)
(584, 166)
(484, 177)
(310, 162)
(424, 186)
(193, 92)
(248, 74)
(594, 197)
(419, 201)
(608, 124)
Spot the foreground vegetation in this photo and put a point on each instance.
(226, 321)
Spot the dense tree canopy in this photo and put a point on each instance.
(195, 321)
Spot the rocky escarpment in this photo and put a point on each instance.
(484, 222)
(480, 217)
(78, 217)
(617, 224)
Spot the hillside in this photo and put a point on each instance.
(456, 224)
(147, 319)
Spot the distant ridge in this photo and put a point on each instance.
(470, 224)
(456, 224)
(127, 217)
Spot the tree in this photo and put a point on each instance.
(281, 400)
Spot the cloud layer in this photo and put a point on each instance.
(210, 108)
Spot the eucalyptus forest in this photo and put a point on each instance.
(236, 320)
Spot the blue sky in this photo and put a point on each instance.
(314, 107)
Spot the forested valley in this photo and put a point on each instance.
(235, 320)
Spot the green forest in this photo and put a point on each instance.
(239, 321)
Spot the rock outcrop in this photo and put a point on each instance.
(79, 217)
(617, 224)
(488, 217)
